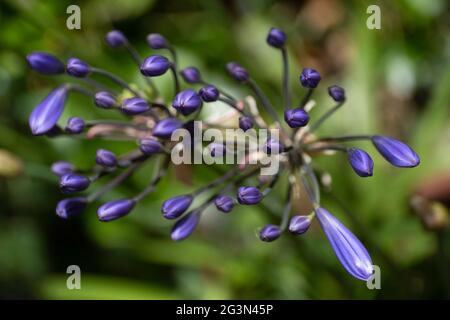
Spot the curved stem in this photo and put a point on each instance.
(264, 100)
(306, 98)
(160, 173)
(115, 79)
(345, 138)
(324, 117)
(175, 78)
(288, 207)
(285, 81)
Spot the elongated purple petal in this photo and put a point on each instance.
(397, 153)
(348, 249)
(185, 226)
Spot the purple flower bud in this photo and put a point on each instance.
(184, 227)
(75, 125)
(106, 158)
(46, 114)
(209, 93)
(165, 127)
(224, 203)
(310, 78)
(150, 146)
(361, 162)
(396, 152)
(157, 41)
(45, 63)
(296, 118)
(249, 195)
(104, 99)
(273, 146)
(217, 149)
(191, 75)
(71, 207)
(155, 66)
(116, 39)
(115, 209)
(245, 123)
(61, 168)
(77, 68)
(187, 102)
(276, 38)
(135, 105)
(269, 233)
(337, 93)
(72, 182)
(174, 207)
(348, 249)
(299, 224)
(237, 71)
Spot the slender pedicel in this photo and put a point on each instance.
(264, 100)
(115, 79)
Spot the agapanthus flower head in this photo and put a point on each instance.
(104, 100)
(337, 93)
(224, 203)
(115, 209)
(116, 39)
(165, 127)
(396, 152)
(276, 38)
(184, 227)
(361, 162)
(296, 118)
(45, 63)
(299, 224)
(46, 114)
(187, 102)
(75, 125)
(249, 195)
(209, 93)
(77, 68)
(237, 71)
(157, 41)
(310, 78)
(135, 105)
(71, 207)
(106, 158)
(150, 146)
(269, 233)
(154, 66)
(72, 182)
(174, 207)
(246, 123)
(191, 75)
(61, 168)
(348, 249)
(273, 146)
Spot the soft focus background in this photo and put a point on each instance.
(397, 81)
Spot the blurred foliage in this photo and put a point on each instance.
(397, 81)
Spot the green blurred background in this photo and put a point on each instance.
(397, 81)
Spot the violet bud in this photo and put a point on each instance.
(115, 209)
(174, 207)
(310, 78)
(249, 195)
(348, 249)
(237, 71)
(276, 38)
(72, 182)
(209, 93)
(61, 168)
(157, 41)
(165, 127)
(361, 162)
(217, 149)
(337, 93)
(269, 233)
(224, 203)
(135, 105)
(104, 99)
(77, 68)
(185, 226)
(245, 123)
(68, 208)
(296, 118)
(150, 146)
(45, 115)
(273, 146)
(116, 39)
(45, 63)
(396, 152)
(299, 224)
(155, 66)
(191, 75)
(75, 125)
(106, 158)
(187, 102)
